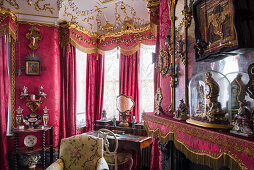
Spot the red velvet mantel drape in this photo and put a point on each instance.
(94, 89)
(68, 88)
(4, 95)
(129, 80)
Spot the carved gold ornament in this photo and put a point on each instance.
(214, 113)
(163, 62)
(11, 2)
(43, 7)
(158, 99)
(34, 36)
(153, 6)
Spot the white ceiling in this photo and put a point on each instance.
(99, 16)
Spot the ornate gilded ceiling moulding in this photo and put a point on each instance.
(11, 2)
(34, 36)
(153, 6)
(44, 7)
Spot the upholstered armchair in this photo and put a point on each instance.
(80, 152)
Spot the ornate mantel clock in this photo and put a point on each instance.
(222, 28)
(209, 100)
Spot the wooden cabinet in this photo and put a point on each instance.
(224, 27)
(42, 131)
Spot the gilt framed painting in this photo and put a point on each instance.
(32, 68)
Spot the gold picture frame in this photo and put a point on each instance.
(32, 68)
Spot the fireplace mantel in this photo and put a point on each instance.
(203, 146)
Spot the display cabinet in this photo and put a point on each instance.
(30, 141)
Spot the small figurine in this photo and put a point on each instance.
(181, 113)
(243, 121)
(133, 121)
(200, 47)
(104, 115)
(25, 91)
(114, 120)
(41, 91)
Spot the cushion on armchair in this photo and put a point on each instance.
(82, 152)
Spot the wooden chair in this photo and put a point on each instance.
(112, 157)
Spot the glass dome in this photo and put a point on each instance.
(209, 100)
(238, 81)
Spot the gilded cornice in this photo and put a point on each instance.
(8, 12)
(153, 3)
(37, 23)
(81, 29)
(125, 32)
(12, 31)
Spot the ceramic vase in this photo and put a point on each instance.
(45, 119)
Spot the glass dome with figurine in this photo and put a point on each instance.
(209, 100)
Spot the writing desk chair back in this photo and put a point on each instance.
(111, 155)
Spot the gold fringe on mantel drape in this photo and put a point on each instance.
(157, 133)
(198, 158)
(224, 160)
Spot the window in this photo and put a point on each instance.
(146, 89)
(111, 83)
(81, 88)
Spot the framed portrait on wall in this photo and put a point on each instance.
(32, 68)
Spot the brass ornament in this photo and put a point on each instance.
(163, 62)
(158, 99)
(34, 36)
(171, 47)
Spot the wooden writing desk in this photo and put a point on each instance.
(136, 143)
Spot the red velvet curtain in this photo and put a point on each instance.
(68, 92)
(4, 94)
(94, 88)
(129, 80)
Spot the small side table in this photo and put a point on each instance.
(40, 129)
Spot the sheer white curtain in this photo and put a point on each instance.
(81, 88)
(111, 83)
(146, 89)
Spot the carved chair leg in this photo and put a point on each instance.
(131, 163)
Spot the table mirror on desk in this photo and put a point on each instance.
(123, 105)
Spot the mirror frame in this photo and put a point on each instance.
(127, 98)
(187, 12)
